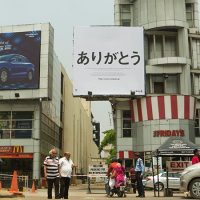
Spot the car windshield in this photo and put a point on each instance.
(5, 57)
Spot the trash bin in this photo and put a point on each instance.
(168, 192)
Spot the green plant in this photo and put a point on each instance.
(109, 138)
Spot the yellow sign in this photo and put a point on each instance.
(18, 149)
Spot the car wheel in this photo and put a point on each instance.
(161, 186)
(30, 75)
(3, 76)
(195, 188)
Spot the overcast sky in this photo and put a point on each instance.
(63, 16)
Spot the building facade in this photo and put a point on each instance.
(78, 128)
(172, 62)
(37, 109)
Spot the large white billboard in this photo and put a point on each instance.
(108, 61)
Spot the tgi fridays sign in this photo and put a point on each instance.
(11, 149)
(169, 133)
(177, 165)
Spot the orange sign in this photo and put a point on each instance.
(18, 149)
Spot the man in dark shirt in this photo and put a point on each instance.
(139, 170)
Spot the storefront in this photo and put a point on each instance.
(14, 158)
(144, 124)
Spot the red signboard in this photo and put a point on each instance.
(169, 133)
(17, 155)
(177, 165)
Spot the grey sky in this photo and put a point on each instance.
(63, 16)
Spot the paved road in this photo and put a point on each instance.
(81, 193)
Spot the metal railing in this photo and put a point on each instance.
(7, 178)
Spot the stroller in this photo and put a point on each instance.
(120, 190)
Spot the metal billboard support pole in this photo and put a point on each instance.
(157, 172)
(154, 191)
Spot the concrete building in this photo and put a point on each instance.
(78, 137)
(37, 109)
(171, 106)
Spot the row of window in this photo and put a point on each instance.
(160, 43)
(16, 124)
(51, 132)
(125, 12)
(197, 124)
(19, 124)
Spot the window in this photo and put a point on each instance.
(162, 44)
(158, 84)
(171, 83)
(125, 12)
(16, 124)
(195, 44)
(162, 83)
(62, 83)
(197, 128)
(61, 111)
(50, 131)
(125, 8)
(126, 22)
(189, 7)
(126, 124)
(163, 175)
(170, 49)
(176, 175)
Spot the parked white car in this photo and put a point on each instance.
(173, 181)
(190, 180)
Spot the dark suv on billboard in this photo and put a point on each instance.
(15, 66)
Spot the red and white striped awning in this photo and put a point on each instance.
(125, 154)
(163, 107)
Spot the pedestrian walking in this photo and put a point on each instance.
(66, 167)
(195, 158)
(111, 181)
(139, 169)
(51, 173)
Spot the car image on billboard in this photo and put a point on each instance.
(20, 60)
(15, 66)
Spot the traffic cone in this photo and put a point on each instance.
(14, 185)
(33, 186)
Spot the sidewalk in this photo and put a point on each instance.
(80, 192)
